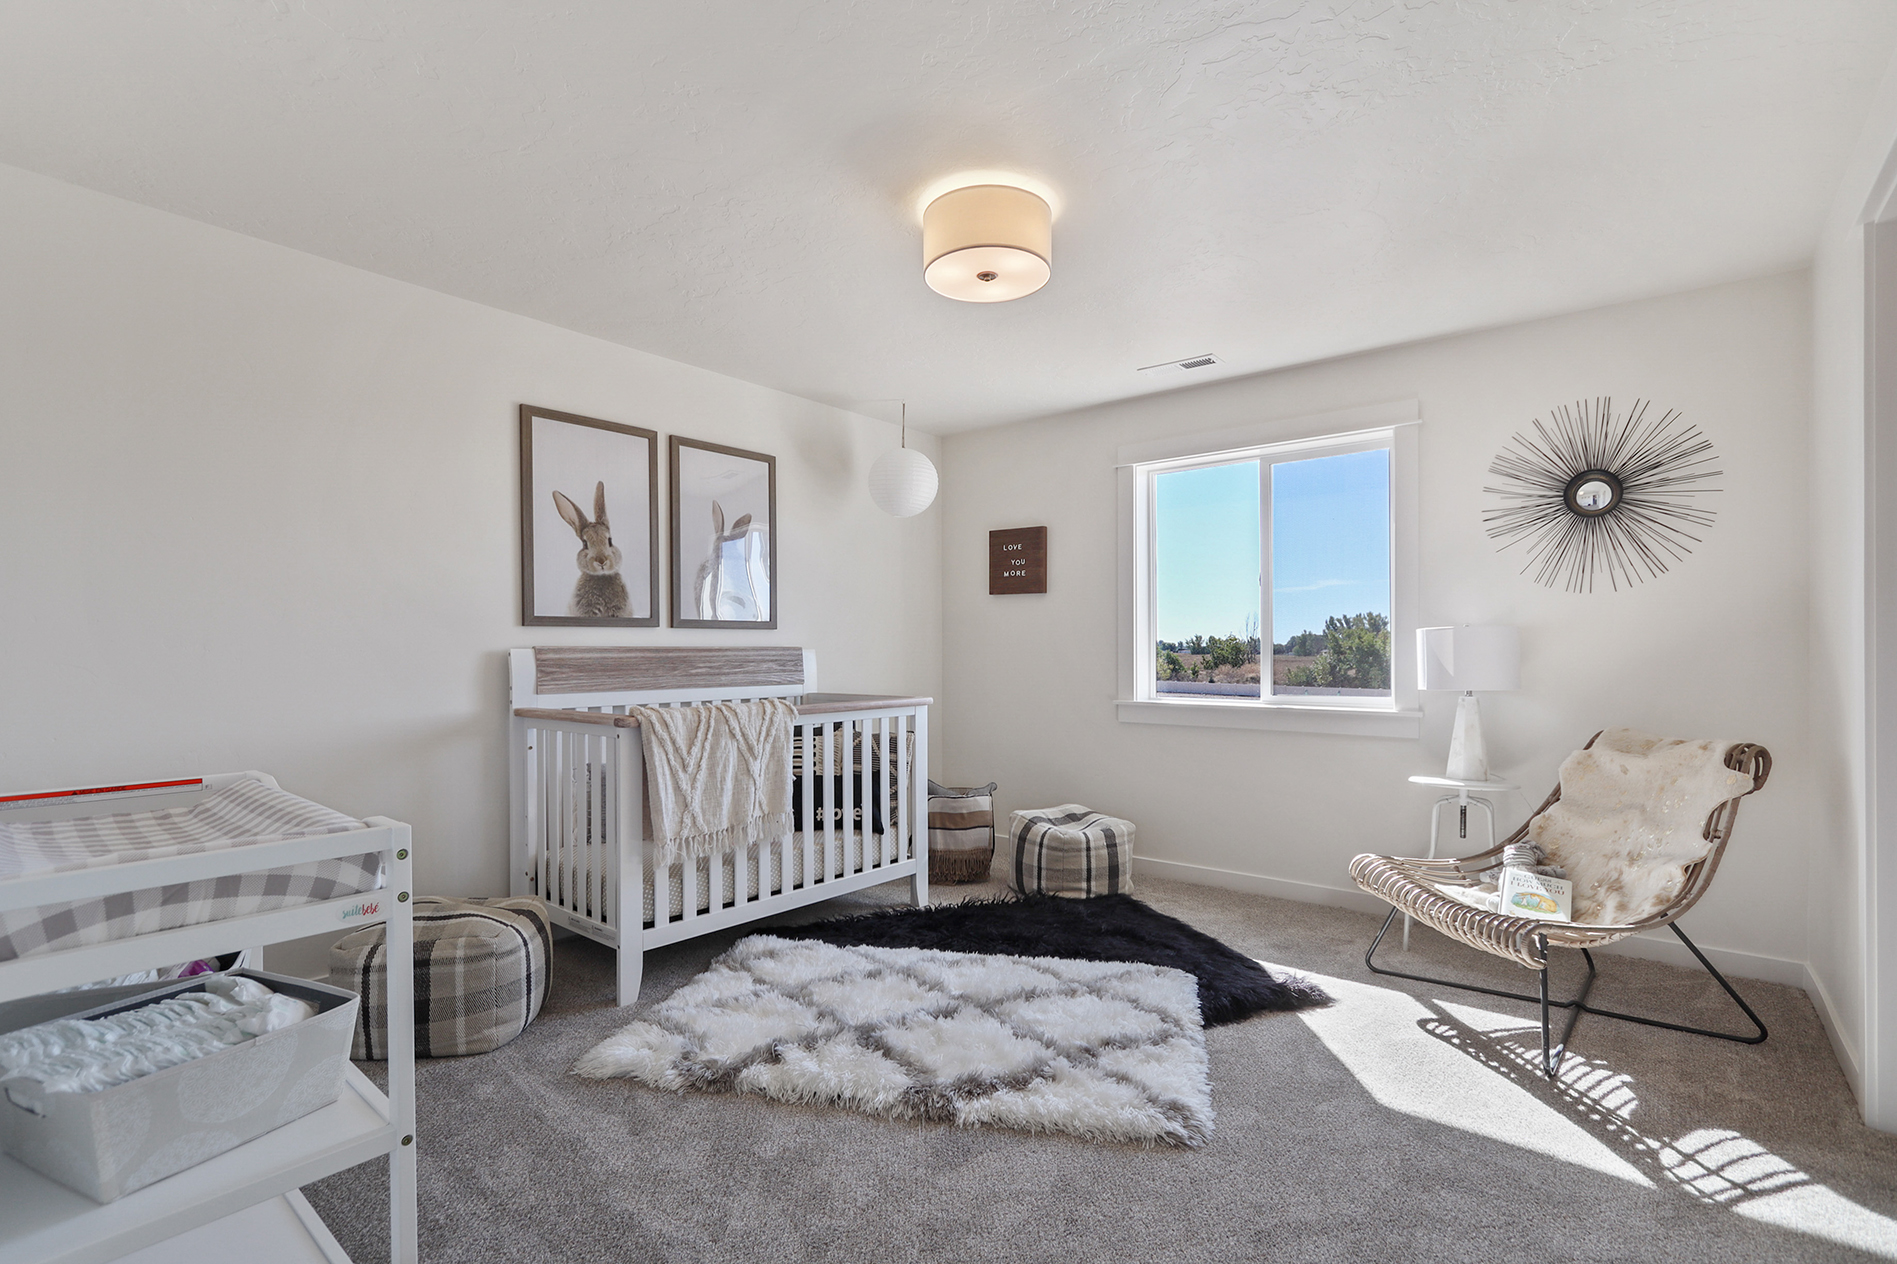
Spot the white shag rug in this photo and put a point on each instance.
(1110, 1051)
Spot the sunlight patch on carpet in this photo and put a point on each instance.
(1475, 1078)
(1377, 1034)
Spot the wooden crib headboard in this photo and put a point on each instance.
(622, 675)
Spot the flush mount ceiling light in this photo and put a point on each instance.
(987, 243)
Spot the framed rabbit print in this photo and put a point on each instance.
(589, 521)
(724, 537)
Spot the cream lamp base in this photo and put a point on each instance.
(1468, 755)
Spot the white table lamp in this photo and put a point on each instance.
(1467, 659)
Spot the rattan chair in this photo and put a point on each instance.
(1411, 887)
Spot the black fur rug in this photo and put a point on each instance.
(1232, 986)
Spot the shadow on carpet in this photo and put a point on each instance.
(1232, 987)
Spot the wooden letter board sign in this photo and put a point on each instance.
(1017, 560)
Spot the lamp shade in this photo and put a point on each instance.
(987, 243)
(902, 483)
(1486, 658)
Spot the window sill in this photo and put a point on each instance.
(1347, 721)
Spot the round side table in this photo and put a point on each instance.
(1466, 793)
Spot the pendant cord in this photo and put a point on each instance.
(905, 423)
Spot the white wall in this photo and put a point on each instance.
(259, 510)
(1715, 649)
(1840, 946)
(1835, 856)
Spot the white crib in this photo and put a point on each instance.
(578, 836)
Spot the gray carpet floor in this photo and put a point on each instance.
(1404, 1123)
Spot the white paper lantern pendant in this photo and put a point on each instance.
(903, 482)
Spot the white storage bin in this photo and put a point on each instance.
(106, 1144)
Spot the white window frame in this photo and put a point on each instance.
(1392, 426)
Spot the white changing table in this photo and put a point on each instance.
(244, 1204)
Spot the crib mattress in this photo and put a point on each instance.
(846, 858)
(241, 814)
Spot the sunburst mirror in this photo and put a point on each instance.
(1592, 494)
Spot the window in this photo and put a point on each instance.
(1269, 577)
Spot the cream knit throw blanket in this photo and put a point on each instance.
(1631, 817)
(717, 775)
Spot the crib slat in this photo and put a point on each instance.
(810, 818)
(852, 747)
(609, 836)
(905, 791)
(661, 893)
(874, 784)
(596, 836)
(583, 824)
(688, 873)
(575, 821)
(570, 840)
(886, 792)
(829, 801)
(542, 739)
(555, 817)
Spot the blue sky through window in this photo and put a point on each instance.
(1331, 544)
(1330, 540)
(1206, 535)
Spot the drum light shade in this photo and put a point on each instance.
(1486, 658)
(987, 243)
(902, 483)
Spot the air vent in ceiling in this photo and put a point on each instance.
(1191, 364)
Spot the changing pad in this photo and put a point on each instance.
(241, 814)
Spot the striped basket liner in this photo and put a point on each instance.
(961, 832)
(1070, 850)
(480, 975)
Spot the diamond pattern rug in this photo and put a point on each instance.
(1108, 1051)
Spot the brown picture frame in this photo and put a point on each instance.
(711, 547)
(533, 611)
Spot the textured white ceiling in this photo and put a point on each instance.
(734, 184)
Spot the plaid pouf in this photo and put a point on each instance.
(961, 832)
(1069, 850)
(480, 975)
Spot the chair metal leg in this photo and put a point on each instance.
(1551, 1058)
(1542, 974)
(1552, 1053)
(1718, 978)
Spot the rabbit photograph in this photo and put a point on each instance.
(589, 521)
(724, 554)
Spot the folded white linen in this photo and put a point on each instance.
(717, 774)
(83, 1055)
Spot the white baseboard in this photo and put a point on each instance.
(1847, 1053)
(1258, 884)
(1731, 961)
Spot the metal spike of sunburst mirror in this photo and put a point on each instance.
(1596, 495)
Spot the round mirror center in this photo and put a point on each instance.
(1592, 493)
(1594, 496)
